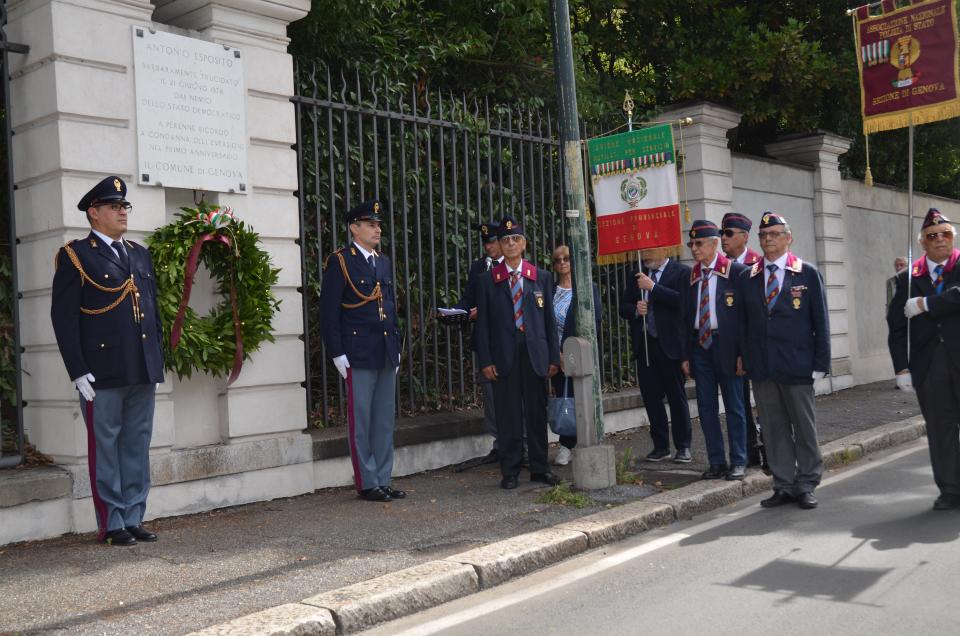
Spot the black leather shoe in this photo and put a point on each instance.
(142, 534)
(509, 482)
(118, 537)
(547, 478)
(947, 502)
(779, 498)
(807, 501)
(375, 494)
(716, 471)
(394, 494)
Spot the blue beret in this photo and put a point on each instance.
(109, 190)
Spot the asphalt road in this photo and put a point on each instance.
(874, 558)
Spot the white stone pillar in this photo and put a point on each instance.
(822, 152)
(708, 182)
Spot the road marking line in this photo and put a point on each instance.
(614, 560)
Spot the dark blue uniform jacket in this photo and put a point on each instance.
(792, 340)
(113, 346)
(369, 340)
(496, 330)
(667, 307)
(726, 347)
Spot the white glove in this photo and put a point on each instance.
(342, 365)
(83, 385)
(396, 371)
(905, 382)
(818, 375)
(913, 308)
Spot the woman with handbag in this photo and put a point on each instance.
(566, 321)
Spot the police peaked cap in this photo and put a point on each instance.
(934, 217)
(488, 231)
(770, 219)
(509, 227)
(110, 190)
(366, 211)
(703, 228)
(736, 221)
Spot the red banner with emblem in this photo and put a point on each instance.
(909, 70)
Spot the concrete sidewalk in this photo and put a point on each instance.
(214, 567)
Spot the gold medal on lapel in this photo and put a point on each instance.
(539, 297)
(796, 303)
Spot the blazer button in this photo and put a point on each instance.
(385, 333)
(354, 333)
(144, 336)
(102, 345)
(106, 275)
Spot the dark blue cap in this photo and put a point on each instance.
(736, 221)
(488, 231)
(509, 227)
(934, 217)
(771, 218)
(702, 228)
(109, 190)
(366, 211)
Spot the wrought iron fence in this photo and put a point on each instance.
(11, 406)
(441, 164)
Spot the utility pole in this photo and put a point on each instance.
(594, 465)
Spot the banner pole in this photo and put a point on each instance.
(628, 107)
(909, 216)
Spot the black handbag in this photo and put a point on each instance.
(562, 414)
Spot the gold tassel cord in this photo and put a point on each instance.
(867, 175)
(129, 288)
(686, 200)
(376, 295)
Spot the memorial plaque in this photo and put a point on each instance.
(191, 127)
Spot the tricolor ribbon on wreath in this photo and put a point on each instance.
(219, 220)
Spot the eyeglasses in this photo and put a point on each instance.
(763, 236)
(933, 236)
(561, 259)
(116, 207)
(512, 238)
(731, 233)
(697, 244)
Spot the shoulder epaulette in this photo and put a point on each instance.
(56, 255)
(327, 257)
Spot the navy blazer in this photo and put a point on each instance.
(496, 330)
(116, 348)
(726, 347)
(940, 323)
(477, 269)
(368, 339)
(666, 305)
(792, 340)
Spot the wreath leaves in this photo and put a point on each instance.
(207, 343)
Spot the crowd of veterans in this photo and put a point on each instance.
(734, 320)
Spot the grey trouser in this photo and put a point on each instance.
(370, 420)
(119, 427)
(790, 435)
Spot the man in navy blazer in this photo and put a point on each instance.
(785, 340)
(932, 308)
(358, 319)
(517, 350)
(712, 348)
(654, 308)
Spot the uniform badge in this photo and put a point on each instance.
(376, 207)
(353, 252)
(116, 184)
(796, 303)
(728, 298)
(539, 297)
(766, 219)
(509, 225)
(797, 292)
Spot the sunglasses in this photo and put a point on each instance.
(732, 233)
(763, 236)
(561, 259)
(933, 236)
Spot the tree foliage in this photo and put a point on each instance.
(788, 66)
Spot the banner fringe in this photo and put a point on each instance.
(922, 115)
(672, 251)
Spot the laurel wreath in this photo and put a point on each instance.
(243, 274)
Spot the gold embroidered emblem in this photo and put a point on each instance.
(766, 219)
(353, 252)
(509, 225)
(796, 303)
(540, 302)
(116, 184)
(484, 229)
(729, 300)
(376, 207)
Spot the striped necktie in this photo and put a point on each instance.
(516, 291)
(938, 270)
(706, 334)
(122, 254)
(773, 287)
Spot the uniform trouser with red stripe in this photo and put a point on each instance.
(119, 427)
(370, 420)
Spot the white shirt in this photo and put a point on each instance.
(743, 256)
(931, 265)
(712, 289)
(781, 263)
(518, 271)
(106, 239)
(366, 255)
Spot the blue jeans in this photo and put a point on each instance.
(708, 377)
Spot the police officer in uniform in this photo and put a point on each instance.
(358, 319)
(734, 234)
(517, 350)
(933, 365)
(785, 340)
(107, 324)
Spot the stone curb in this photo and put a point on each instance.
(363, 605)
